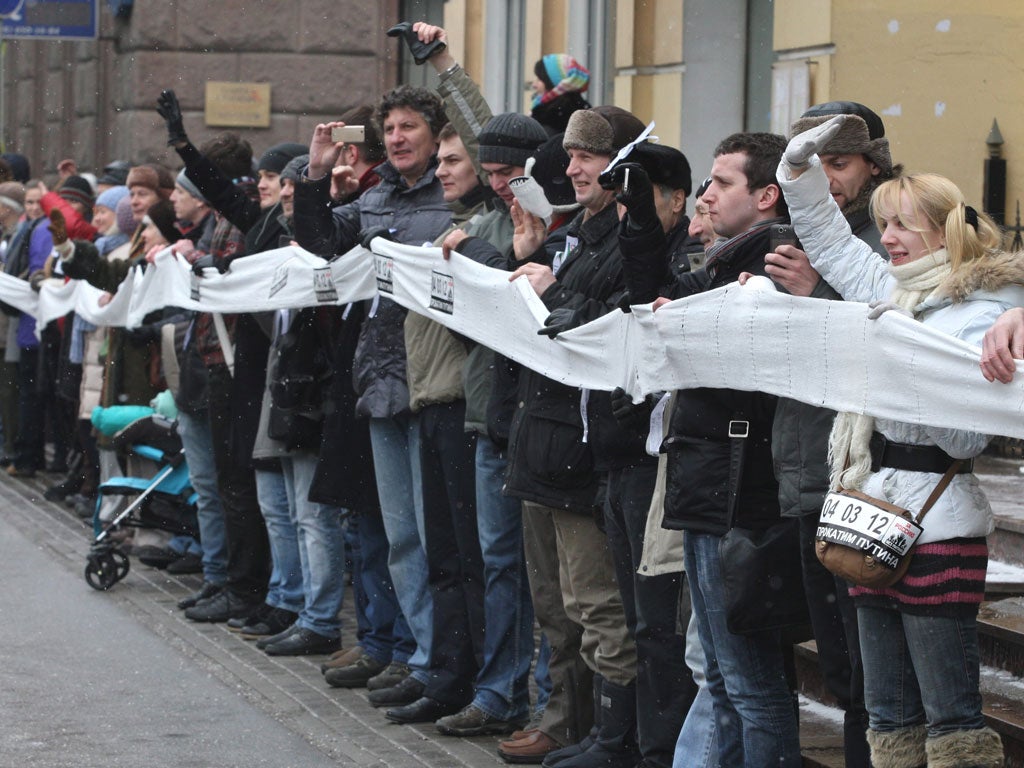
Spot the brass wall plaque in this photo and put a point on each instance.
(238, 105)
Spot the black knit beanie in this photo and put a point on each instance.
(162, 216)
(19, 166)
(510, 139)
(276, 158)
(293, 170)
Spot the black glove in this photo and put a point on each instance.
(559, 321)
(141, 336)
(630, 415)
(367, 235)
(635, 192)
(209, 261)
(169, 109)
(420, 51)
(36, 280)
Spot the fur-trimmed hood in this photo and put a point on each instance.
(987, 275)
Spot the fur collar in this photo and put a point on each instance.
(988, 275)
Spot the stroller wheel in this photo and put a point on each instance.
(121, 564)
(101, 572)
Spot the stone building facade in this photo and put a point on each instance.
(95, 101)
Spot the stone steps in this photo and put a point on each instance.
(1001, 633)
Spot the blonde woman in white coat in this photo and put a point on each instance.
(918, 638)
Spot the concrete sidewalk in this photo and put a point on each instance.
(290, 694)
(338, 723)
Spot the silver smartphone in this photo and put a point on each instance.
(350, 134)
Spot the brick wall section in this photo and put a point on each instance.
(95, 101)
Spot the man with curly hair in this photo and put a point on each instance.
(408, 205)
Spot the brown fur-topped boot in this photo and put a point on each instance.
(981, 748)
(902, 748)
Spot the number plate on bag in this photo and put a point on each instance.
(854, 522)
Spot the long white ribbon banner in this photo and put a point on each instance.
(820, 352)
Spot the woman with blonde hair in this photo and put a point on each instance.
(918, 638)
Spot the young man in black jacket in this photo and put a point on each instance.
(710, 429)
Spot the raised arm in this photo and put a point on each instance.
(841, 258)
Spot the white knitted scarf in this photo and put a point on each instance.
(849, 453)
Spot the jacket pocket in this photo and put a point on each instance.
(555, 452)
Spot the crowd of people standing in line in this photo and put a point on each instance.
(498, 498)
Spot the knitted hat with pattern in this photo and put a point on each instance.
(561, 73)
(75, 189)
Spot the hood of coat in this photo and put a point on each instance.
(987, 276)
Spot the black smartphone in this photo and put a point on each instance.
(781, 234)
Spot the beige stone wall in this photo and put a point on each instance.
(95, 101)
(938, 71)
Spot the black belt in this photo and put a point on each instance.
(915, 458)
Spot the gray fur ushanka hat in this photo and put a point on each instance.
(863, 133)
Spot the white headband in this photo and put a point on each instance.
(14, 205)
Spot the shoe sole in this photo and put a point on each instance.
(522, 759)
(383, 704)
(345, 683)
(380, 687)
(483, 730)
(254, 635)
(403, 721)
(269, 650)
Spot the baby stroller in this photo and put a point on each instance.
(163, 500)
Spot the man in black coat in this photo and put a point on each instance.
(719, 452)
(559, 466)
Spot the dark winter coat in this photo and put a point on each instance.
(417, 214)
(344, 473)
(555, 114)
(549, 463)
(697, 445)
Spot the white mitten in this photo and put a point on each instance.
(531, 195)
(811, 142)
(880, 307)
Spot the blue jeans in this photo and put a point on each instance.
(387, 636)
(396, 463)
(541, 674)
(920, 670)
(353, 567)
(194, 431)
(697, 745)
(502, 684)
(754, 709)
(285, 587)
(321, 548)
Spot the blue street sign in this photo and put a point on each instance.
(50, 19)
